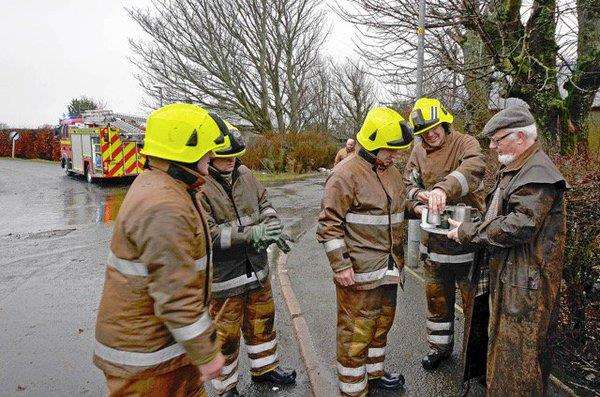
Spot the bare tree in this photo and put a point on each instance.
(355, 94)
(320, 109)
(530, 50)
(247, 58)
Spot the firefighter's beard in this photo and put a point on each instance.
(505, 159)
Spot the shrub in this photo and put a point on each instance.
(33, 144)
(295, 152)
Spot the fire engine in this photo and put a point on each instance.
(101, 144)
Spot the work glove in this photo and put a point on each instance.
(265, 233)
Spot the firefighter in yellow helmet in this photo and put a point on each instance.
(361, 227)
(243, 223)
(445, 168)
(154, 334)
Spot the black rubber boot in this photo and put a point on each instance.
(433, 359)
(389, 381)
(231, 393)
(278, 376)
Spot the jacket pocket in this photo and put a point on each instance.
(520, 281)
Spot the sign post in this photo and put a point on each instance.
(13, 137)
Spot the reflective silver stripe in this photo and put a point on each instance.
(201, 263)
(263, 347)
(352, 388)
(366, 219)
(334, 244)
(376, 275)
(226, 370)
(245, 220)
(128, 268)
(135, 358)
(464, 185)
(376, 351)
(269, 211)
(422, 248)
(443, 258)
(222, 385)
(261, 362)
(238, 281)
(374, 367)
(440, 339)
(439, 326)
(347, 371)
(225, 237)
(193, 330)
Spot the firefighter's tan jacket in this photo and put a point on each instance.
(231, 209)
(153, 316)
(457, 167)
(362, 219)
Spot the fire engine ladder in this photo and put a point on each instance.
(131, 128)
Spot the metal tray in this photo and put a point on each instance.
(429, 228)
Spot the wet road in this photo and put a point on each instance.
(53, 241)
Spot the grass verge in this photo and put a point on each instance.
(284, 177)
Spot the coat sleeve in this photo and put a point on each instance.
(224, 235)
(177, 282)
(336, 202)
(468, 177)
(528, 208)
(265, 208)
(413, 182)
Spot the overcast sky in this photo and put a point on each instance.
(55, 50)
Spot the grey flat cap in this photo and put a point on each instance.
(511, 117)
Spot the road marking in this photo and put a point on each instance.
(320, 386)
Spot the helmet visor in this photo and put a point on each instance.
(419, 122)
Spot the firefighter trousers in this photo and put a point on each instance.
(364, 320)
(441, 280)
(252, 314)
(182, 382)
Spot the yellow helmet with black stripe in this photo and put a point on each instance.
(384, 128)
(183, 132)
(236, 146)
(427, 114)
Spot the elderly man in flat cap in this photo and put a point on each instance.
(523, 236)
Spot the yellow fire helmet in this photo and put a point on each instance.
(428, 113)
(384, 128)
(183, 132)
(236, 146)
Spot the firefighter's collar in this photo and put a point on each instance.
(184, 174)
(372, 159)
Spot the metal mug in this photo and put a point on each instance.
(430, 217)
(462, 213)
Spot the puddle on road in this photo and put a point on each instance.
(96, 204)
(108, 208)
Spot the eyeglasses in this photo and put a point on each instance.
(496, 141)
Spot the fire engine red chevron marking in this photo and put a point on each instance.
(116, 152)
(114, 138)
(122, 162)
(132, 167)
(116, 168)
